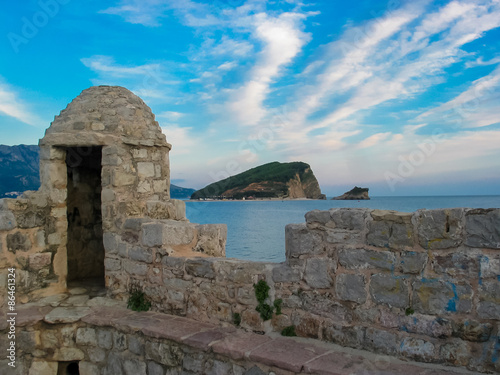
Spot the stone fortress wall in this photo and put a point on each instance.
(423, 286)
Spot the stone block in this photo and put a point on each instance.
(381, 341)
(104, 339)
(7, 220)
(324, 305)
(390, 229)
(351, 287)
(351, 336)
(119, 341)
(299, 240)
(122, 178)
(110, 243)
(152, 234)
(66, 315)
(39, 260)
(135, 268)
(456, 353)
(145, 169)
(283, 273)
(489, 300)
(483, 228)
(436, 297)
(113, 365)
(88, 368)
(413, 262)
(456, 265)
(426, 325)
(144, 187)
(200, 267)
(155, 369)
(362, 259)
(178, 232)
(489, 266)
(139, 153)
(18, 242)
(440, 229)
(342, 236)
(307, 325)
(472, 330)
(159, 186)
(141, 254)
(96, 355)
(68, 354)
(135, 223)
(39, 367)
(211, 239)
(134, 367)
(389, 290)
(317, 216)
(348, 218)
(418, 349)
(111, 264)
(317, 273)
(167, 354)
(86, 336)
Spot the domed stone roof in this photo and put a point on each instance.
(100, 114)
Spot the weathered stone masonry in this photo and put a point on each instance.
(423, 285)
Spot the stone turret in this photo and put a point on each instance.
(104, 200)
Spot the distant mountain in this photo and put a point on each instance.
(177, 192)
(19, 171)
(272, 180)
(19, 166)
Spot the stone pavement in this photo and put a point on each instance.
(283, 354)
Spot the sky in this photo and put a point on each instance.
(402, 97)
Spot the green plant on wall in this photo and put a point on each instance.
(262, 294)
(137, 300)
(236, 319)
(288, 331)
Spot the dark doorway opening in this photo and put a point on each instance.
(85, 248)
(68, 368)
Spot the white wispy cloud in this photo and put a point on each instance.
(283, 39)
(477, 106)
(107, 65)
(12, 105)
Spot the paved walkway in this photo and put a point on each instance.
(291, 354)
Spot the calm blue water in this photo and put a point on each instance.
(256, 229)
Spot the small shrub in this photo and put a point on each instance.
(237, 319)
(265, 310)
(409, 311)
(277, 305)
(261, 291)
(288, 331)
(137, 300)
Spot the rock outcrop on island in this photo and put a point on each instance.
(356, 193)
(273, 180)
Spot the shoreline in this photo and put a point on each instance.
(254, 200)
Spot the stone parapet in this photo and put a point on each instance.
(384, 281)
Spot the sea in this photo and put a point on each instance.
(256, 229)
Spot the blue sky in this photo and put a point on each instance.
(399, 96)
